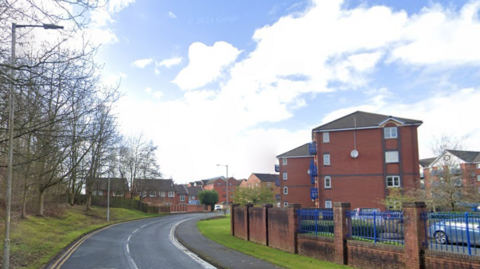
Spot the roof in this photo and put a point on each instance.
(194, 190)
(426, 162)
(155, 185)
(116, 184)
(213, 179)
(467, 156)
(239, 181)
(302, 151)
(266, 177)
(360, 119)
(181, 189)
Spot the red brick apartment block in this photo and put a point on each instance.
(295, 182)
(218, 184)
(263, 180)
(360, 156)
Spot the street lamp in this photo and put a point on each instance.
(226, 166)
(6, 247)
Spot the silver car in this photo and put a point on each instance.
(455, 231)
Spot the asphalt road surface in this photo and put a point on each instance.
(141, 244)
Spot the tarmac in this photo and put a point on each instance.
(218, 255)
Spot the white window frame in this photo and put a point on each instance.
(284, 161)
(390, 132)
(328, 203)
(162, 194)
(171, 194)
(478, 177)
(285, 176)
(285, 204)
(392, 156)
(396, 181)
(97, 193)
(478, 165)
(192, 197)
(182, 197)
(326, 159)
(329, 180)
(152, 194)
(118, 193)
(326, 137)
(285, 190)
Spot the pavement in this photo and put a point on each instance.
(218, 255)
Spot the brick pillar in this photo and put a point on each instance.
(293, 226)
(341, 230)
(414, 233)
(247, 221)
(265, 221)
(232, 218)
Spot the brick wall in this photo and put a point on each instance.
(239, 222)
(258, 225)
(321, 248)
(368, 255)
(437, 259)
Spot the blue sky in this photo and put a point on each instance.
(240, 82)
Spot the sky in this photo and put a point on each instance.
(240, 82)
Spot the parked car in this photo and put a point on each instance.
(455, 231)
(365, 213)
(218, 207)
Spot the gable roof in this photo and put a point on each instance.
(302, 151)
(239, 181)
(467, 156)
(194, 190)
(266, 177)
(181, 189)
(116, 184)
(426, 162)
(362, 120)
(155, 185)
(213, 180)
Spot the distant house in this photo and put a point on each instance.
(361, 156)
(182, 194)
(219, 185)
(424, 166)
(118, 187)
(193, 194)
(156, 191)
(256, 180)
(295, 181)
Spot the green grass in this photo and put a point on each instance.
(218, 230)
(35, 240)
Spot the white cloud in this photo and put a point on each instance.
(148, 89)
(142, 63)
(206, 64)
(170, 62)
(171, 15)
(157, 95)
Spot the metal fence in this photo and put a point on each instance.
(453, 232)
(316, 221)
(376, 227)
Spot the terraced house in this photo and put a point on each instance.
(360, 156)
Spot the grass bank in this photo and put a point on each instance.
(35, 240)
(218, 230)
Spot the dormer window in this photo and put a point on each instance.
(390, 132)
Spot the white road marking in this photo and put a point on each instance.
(128, 249)
(192, 255)
(135, 231)
(128, 239)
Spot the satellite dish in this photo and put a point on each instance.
(446, 157)
(354, 153)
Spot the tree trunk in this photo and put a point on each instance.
(89, 201)
(24, 201)
(40, 203)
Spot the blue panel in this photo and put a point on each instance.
(314, 193)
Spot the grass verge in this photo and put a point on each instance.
(218, 230)
(35, 240)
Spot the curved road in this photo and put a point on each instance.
(141, 244)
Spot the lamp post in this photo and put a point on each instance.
(108, 197)
(226, 166)
(6, 246)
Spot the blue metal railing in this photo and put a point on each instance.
(277, 168)
(453, 232)
(313, 169)
(312, 148)
(316, 221)
(376, 226)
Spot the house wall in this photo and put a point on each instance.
(298, 182)
(219, 187)
(352, 178)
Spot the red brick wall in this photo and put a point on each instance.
(258, 231)
(368, 255)
(239, 222)
(440, 259)
(195, 208)
(298, 182)
(321, 248)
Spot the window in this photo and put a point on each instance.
(390, 132)
(284, 161)
(391, 156)
(171, 194)
(269, 184)
(326, 159)
(100, 193)
(153, 194)
(192, 197)
(393, 181)
(162, 194)
(118, 193)
(285, 204)
(328, 182)
(478, 165)
(328, 204)
(326, 137)
(285, 190)
(182, 197)
(219, 184)
(284, 175)
(478, 177)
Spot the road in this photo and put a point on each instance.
(141, 244)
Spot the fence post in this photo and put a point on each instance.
(232, 218)
(414, 233)
(293, 225)
(265, 221)
(340, 231)
(247, 221)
